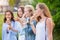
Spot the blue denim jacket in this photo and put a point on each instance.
(29, 35)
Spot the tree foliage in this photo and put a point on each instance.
(12, 2)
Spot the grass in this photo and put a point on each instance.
(1, 22)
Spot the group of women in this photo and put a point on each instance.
(29, 24)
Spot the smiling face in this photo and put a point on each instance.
(26, 11)
(20, 12)
(39, 11)
(8, 15)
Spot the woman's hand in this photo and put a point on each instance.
(8, 21)
(10, 28)
(17, 19)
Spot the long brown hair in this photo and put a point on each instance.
(46, 10)
(22, 8)
(12, 18)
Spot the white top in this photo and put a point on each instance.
(21, 32)
(40, 31)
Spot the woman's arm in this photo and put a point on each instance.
(33, 28)
(32, 25)
(50, 28)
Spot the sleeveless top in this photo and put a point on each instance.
(41, 31)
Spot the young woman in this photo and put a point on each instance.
(28, 12)
(44, 27)
(10, 27)
(21, 32)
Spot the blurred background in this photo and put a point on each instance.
(54, 6)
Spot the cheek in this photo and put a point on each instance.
(10, 16)
(37, 10)
(27, 12)
(24, 12)
(7, 16)
(21, 14)
(18, 14)
(38, 13)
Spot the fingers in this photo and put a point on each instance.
(8, 21)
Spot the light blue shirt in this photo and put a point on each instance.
(9, 34)
(21, 30)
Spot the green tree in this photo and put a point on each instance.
(56, 33)
(54, 5)
(12, 2)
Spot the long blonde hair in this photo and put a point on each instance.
(46, 11)
(30, 9)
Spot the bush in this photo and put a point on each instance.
(56, 32)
